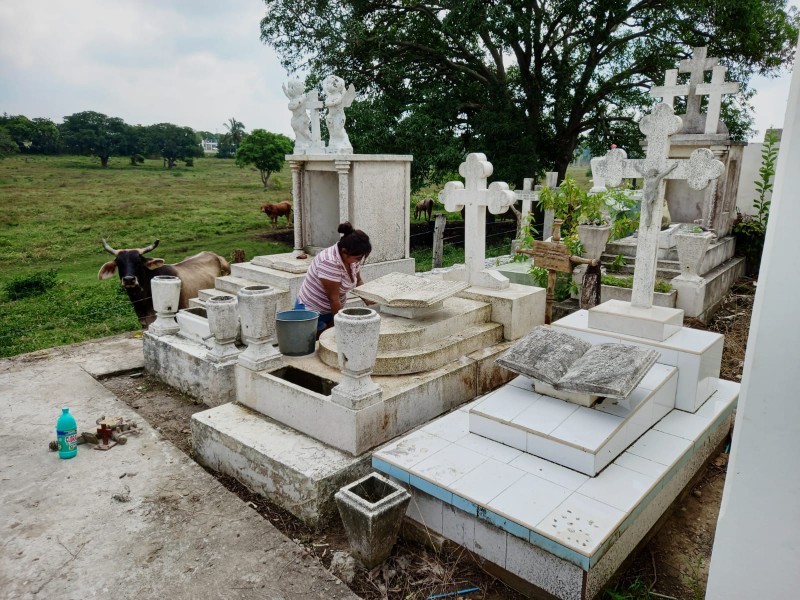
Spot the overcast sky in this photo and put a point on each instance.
(193, 63)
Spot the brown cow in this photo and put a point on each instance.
(424, 207)
(279, 209)
(135, 272)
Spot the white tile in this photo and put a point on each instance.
(640, 421)
(728, 391)
(496, 431)
(581, 523)
(447, 465)
(545, 415)
(426, 510)
(561, 454)
(618, 487)
(694, 340)
(660, 447)
(411, 449)
(615, 445)
(683, 424)
(587, 428)
(466, 407)
(641, 465)
(550, 471)
(529, 500)
(506, 403)
(486, 481)
(490, 542)
(624, 407)
(656, 376)
(449, 427)
(459, 527)
(489, 448)
(522, 382)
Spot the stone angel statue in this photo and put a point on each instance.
(337, 98)
(301, 124)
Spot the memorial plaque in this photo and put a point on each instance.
(551, 256)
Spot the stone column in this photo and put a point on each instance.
(297, 205)
(756, 548)
(166, 292)
(257, 306)
(343, 168)
(357, 332)
(223, 322)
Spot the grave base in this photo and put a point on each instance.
(654, 323)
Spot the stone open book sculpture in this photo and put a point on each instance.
(571, 364)
(408, 291)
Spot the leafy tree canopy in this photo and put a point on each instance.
(94, 134)
(7, 144)
(21, 129)
(265, 151)
(524, 82)
(171, 142)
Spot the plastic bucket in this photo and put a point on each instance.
(296, 331)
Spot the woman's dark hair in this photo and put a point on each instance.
(354, 241)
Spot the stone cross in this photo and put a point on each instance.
(670, 89)
(527, 196)
(696, 67)
(314, 104)
(715, 91)
(698, 170)
(476, 197)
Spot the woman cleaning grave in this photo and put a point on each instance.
(334, 272)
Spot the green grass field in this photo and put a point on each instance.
(55, 211)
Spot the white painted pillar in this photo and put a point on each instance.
(757, 546)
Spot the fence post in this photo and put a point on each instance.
(438, 239)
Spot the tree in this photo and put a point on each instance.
(264, 150)
(7, 144)
(21, 129)
(46, 137)
(94, 134)
(523, 82)
(171, 142)
(229, 142)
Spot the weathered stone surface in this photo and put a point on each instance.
(569, 363)
(402, 290)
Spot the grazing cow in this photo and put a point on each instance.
(279, 209)
(135, 272)
(424, 207)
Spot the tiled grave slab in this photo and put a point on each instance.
(655, 323)
(583, 439)
(563, 532)
(696, 353)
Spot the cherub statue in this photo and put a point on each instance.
(300, 122)
(337, 98)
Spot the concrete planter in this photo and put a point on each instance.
(692, 249)
(166, 291)
(372, 510)
(223, 322)
(594, 239)
(257, 306)
(357, 331)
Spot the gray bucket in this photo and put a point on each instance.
(297, 331)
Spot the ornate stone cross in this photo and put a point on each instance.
(476, 197)
(670, 89)
(715, 91)
(696, 67)
(698, 170)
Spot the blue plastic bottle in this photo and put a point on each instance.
(67, 434)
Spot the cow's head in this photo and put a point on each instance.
(131, 263)
(268, 209)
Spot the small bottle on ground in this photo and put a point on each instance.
(67, 434)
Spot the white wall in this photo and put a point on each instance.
(757, 546)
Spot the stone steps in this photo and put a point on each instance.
(665, 269)
(580, 438)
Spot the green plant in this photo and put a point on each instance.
(628, 590)
(616, 265)
(33, 284)
(691, 229)
(626, 281)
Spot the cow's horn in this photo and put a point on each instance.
(109, 248)
(148, 248)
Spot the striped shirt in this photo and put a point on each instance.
(327, 265)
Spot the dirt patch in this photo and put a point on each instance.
(672, 564)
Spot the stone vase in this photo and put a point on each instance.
(372, 510)
(166, 293)
(223, 323)
(692, 249)
(257, 306)
(594, 239)
(357, 331)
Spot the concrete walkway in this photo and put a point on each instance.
(138, 521)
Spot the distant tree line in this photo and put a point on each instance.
(91, 133)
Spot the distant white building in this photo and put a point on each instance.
(209, 146)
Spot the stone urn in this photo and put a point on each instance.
(372, 510)
(166, 293)
(257, 306)
(357, 331)
(594, 239)
(223, 323)
(692, 249)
